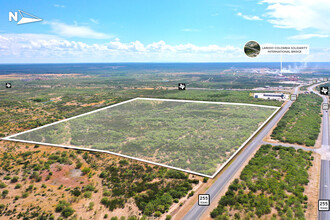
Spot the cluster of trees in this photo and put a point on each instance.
(113, 204)
(64, 208)
(154, 189)
(32, 212)
(85, 191)
(301, 124)
(273, 179)
(31, 164)
(18, 167)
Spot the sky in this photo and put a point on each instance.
(162, 30)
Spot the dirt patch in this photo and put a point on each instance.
(66, 175)
(92, 104)
(146, 88)
(71, 103)
(312, 189)
(75, 173)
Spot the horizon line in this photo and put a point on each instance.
(160, 62)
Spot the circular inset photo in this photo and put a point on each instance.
(252, 49)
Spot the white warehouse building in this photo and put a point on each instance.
(272, 96)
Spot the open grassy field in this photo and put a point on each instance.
(199, 137)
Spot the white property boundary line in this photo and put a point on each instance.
(109, 152)
(10, 138)
(243, 145)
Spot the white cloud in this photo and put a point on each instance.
(308, 36)
(59, 6)
(77, 31)
(35, 48)
(249, 17)
(190, 30)
(44, 48)
(94, 21)
(299, 14)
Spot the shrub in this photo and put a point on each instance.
(91, 205)
(123, 162)
(64, 208)
(89, 187)
(4, 193)
(88, 194)
(86, 170)
(205, 179)
(191, 194)
(2, 185)
(79, 165)
(25, 195)
(76, 192)
(61, 206)
(14, 179)
(106, 193)
(103, 174)
(176, 174)
(157, 214)
(67, 212)
(105, 201)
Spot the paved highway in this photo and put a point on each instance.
(196, 211)
(324, 192)
(324, 187)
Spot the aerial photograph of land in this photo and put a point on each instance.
(164, 110)
(189, 135)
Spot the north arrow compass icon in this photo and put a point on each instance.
(26, 20)
(25, 17)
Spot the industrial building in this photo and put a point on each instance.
(272, 96)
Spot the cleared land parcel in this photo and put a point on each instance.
(193, 136)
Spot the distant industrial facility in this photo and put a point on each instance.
(272, 96)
